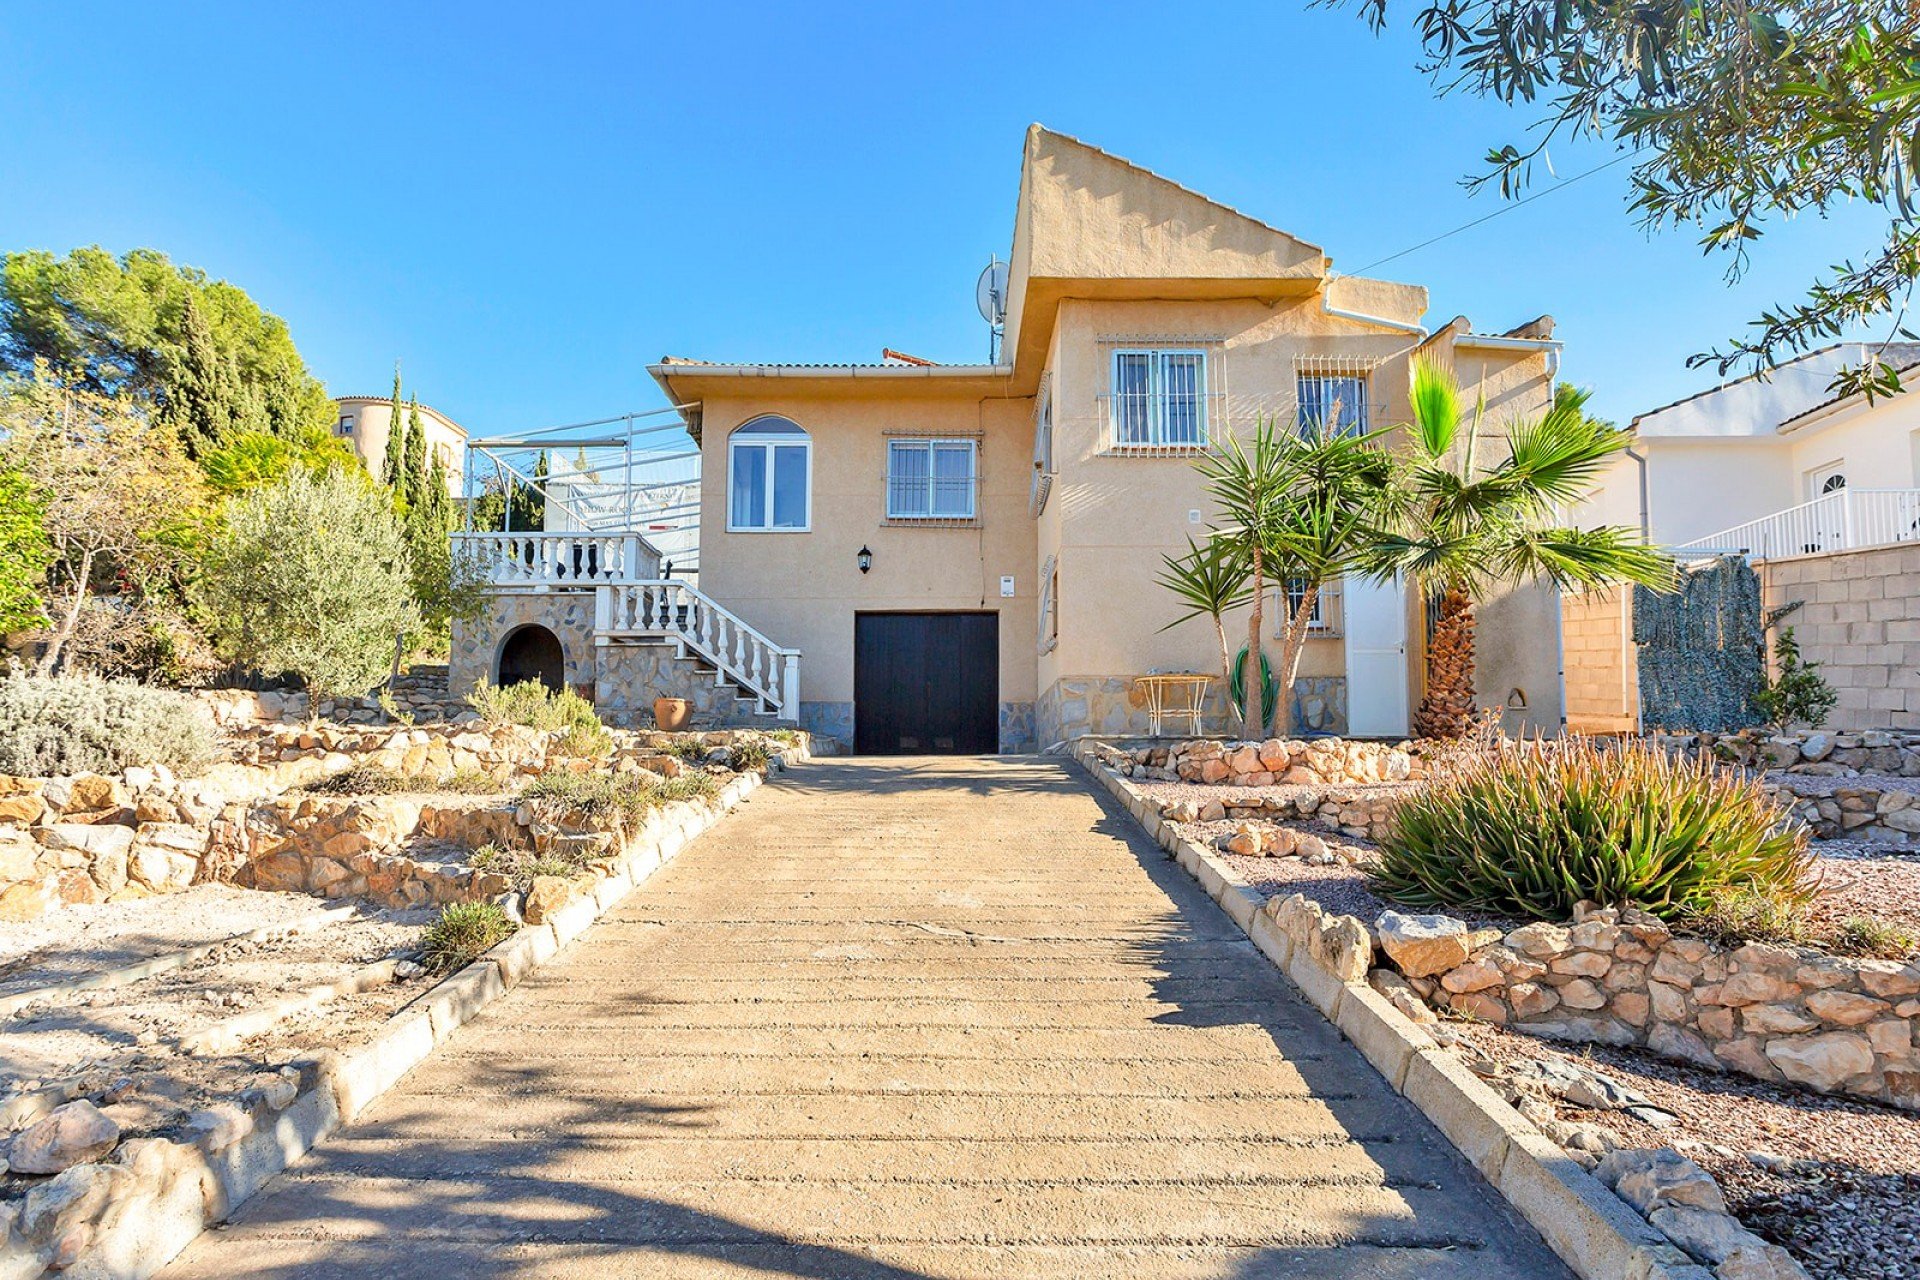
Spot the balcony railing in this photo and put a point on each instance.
(559, 560)
(675, 610)
(1844, 520)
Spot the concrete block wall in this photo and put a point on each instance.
(1596, 635)
(1859, 617)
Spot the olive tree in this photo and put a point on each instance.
(310, 575)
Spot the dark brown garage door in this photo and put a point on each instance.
(926, 683)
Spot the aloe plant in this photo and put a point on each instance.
(1531, 829)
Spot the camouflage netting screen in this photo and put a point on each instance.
(1700, 648)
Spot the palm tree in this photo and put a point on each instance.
(1247, 487)
(1460, 528)
(1209, 579)
(1300, 508)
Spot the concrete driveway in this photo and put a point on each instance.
(894, 1019)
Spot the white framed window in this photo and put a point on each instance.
(1158, 399)
(769, 477)
(932, 479)
(1333, 402)
(344, 427)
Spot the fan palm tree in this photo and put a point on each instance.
(1460, 528)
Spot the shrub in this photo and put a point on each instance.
(615, 801)
(1533, 829)
(309, 575)
(1734, 917)
(463, 931)
(1797, 692)
(1872, 936)
(532, 704)
(366, 779)
(83, 724)
(749, 754)
(522, 865)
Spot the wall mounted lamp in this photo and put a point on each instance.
(864, 558)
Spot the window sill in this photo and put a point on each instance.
(732, 529)
(1152, 450)
(930, 522)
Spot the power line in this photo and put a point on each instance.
(1488, 217)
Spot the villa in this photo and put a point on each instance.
(917, 557)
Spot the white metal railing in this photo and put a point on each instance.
(1844, 520)
(558, 559)
(1160, 422)
(676, 610)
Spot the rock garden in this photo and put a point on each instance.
(1664, 954)
(210, 957)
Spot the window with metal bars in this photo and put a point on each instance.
(1159, 399)
(1334, 403)
(931, 479)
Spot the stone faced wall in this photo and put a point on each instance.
(1284, 762)
(1860, 619)
(1833, 1024)
(1111, 707)
(476, 645)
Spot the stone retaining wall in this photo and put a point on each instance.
(93, 838)
(1778, 1013)
(1363, 814)
(125, 1209)
(1282, 762)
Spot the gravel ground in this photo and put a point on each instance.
(49, 1041)
(85, 939)
(1855, 1217)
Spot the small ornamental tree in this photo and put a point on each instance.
(310, 575)
(1795, 693)
(25, 553)
(111, 481)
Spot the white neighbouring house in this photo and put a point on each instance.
(1819, 492)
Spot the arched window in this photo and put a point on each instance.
(769, 477)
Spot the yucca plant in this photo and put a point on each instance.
(1534, 828)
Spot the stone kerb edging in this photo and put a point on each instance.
(127, 1219)
(1327, 958)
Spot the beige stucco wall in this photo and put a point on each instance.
(1603, 690)
(1860, 619)
(1111, 517)
(373, 422)
(803, 589)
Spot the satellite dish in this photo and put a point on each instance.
(991, 292)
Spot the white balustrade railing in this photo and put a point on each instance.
(679, 611)
(1844, 520)
(539, 559)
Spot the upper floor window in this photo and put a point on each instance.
(931, 479)
(1159, 399)
(1335, 403)
(344, 427)
(769, 477)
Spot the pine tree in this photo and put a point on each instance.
(393, 462)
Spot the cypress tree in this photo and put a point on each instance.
(393, 464)
(416, 460)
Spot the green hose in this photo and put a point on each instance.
(1269, 687)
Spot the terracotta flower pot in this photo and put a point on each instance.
(672, 714)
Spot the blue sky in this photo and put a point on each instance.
(528, 204)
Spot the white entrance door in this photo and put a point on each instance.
(1376, 640)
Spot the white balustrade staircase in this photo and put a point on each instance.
(675, 612)
(634, 606)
